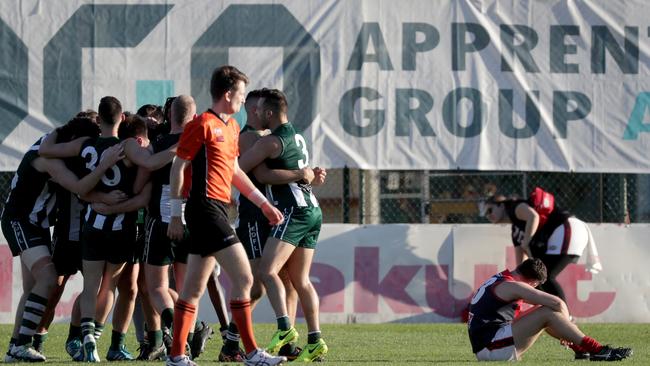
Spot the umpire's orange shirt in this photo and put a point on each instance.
(212, 145)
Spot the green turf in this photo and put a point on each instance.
(397, 344)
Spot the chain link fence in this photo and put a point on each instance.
(373, 197)
(368, 197)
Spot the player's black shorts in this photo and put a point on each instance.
(159, 250)
(138, 249)
(22, 235)
(66, 256)
(253, 230)
(210, 230)
(112, 246)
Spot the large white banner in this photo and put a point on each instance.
(374, 84)
(426, 273)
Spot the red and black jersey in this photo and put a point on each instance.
(488, 312)
(213, 146)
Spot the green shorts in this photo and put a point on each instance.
(301, 226)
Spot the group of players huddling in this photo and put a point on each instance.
(89, 178)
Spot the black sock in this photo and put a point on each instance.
(313, 337)
(117, 340)
(167, 318)
(73, 332)
(284, 323)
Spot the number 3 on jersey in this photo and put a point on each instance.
(302, 144)
(90, 155)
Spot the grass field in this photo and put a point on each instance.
(396, 344)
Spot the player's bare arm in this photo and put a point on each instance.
(50, 149)
(265, 148)
(241, 181)
(68, 180)
(513, 291)
(108, 198)
(175, 228)
(132, 204)
(524, 212)
(143, 157)
(141, 179)
(255, 150)
(280, 176)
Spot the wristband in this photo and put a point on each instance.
(176, 207)
(257, 198)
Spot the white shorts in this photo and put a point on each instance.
(570, 238)
(506, 353)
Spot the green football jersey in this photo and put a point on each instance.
(294, 156)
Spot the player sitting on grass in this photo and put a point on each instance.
(497, 333)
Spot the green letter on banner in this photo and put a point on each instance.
(635, 123)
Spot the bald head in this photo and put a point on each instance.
(183, 110)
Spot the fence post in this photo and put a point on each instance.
(370, 189)
(624, 206)
(426, 197)
(362, 196)
(601, 196)
(346, 194)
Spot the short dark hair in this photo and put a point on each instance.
(109, 110)
(223, 79)
(167, 109)
(89, 113)
(275, 101)
(133, 126)
(151, 110)
(257, 93)
(77, 127)
(533, 269)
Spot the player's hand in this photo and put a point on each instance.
(319, 176)
(272, 214)
(111, 156)
(307, 175)
(114, 197)
(102, 208)
(175, 229)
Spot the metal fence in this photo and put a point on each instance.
(355, 196)
(372, 197)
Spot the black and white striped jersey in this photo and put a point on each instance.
(32, 195)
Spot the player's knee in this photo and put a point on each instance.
(245, 281)
(128, 290)
(48, 277)
(267, 276)
(302, 284)
(257, 291)
(191, 293)
(158, 291)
